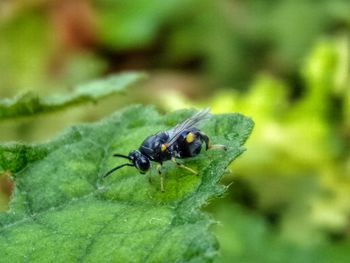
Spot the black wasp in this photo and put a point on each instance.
(182, 141)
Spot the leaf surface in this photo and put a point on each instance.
(63, 211)
(29, 103)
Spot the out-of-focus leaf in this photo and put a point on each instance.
(245, 236)
(138, 22)
(30, 104)
(25, 52)
(61, 209)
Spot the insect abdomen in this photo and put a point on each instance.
(188, 144)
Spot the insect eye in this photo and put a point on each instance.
(142, 164)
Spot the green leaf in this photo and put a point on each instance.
(63, 211)
(30, 104)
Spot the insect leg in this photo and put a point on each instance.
(208, 144)
(183, 166)
(150, 177)
(159, 169)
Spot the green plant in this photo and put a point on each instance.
(62, 210)
(30, 104)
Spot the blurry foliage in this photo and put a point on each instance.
(32, 58)
(225, 40)
(247, 237)
(24, 53)
(30, 104)
(297, 166)
(228, 40)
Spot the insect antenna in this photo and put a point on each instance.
(121, 155)
(116, 168)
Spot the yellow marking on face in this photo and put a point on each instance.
(163, 147)
(189, 137)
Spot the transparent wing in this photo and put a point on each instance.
(186, 124)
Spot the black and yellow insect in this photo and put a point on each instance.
(182, 141)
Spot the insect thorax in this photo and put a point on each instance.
(151, 147)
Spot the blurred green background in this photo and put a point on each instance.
(285, 63)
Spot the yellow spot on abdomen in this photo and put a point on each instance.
(189, 137)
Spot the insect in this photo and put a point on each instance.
(180, 142)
